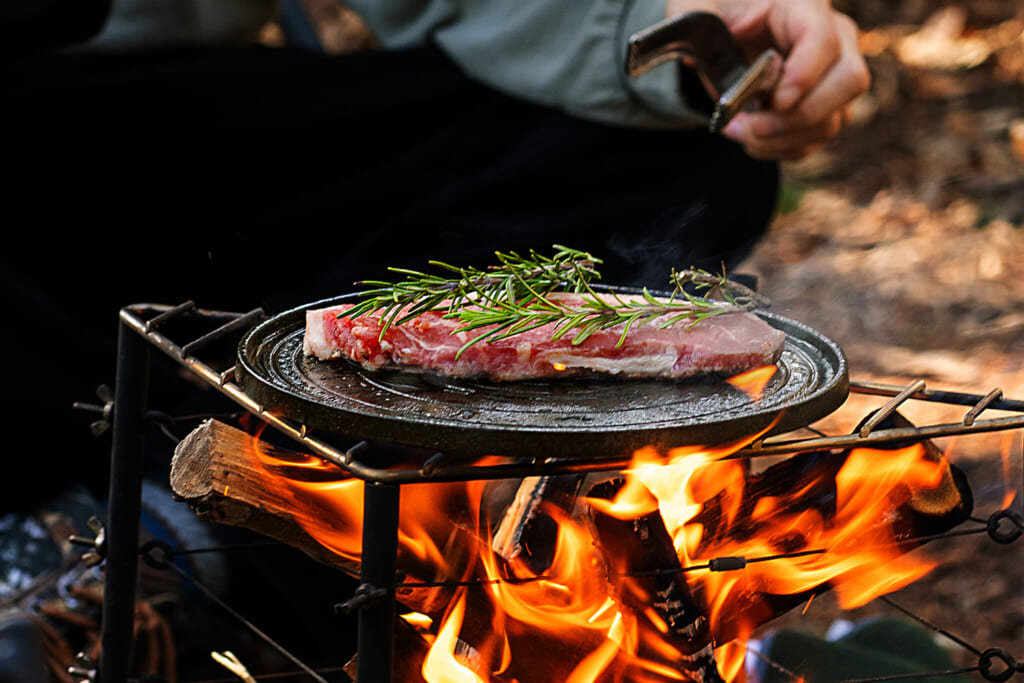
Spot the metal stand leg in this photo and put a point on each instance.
(122, 528)
(378, 576)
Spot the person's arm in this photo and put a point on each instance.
(571, 54)
(568, 54)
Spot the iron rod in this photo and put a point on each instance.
(886, 436)
(935, 396)
(124, 507)
(981, 405)
(378, 570)
(171, 313)
(249, 318)
(890, 407)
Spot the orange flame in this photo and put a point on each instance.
(753, 382)
(441, 664)
(597, 661)
(317, 486)
(1006, 448)
(709, 509)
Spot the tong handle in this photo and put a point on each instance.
(702, 41)
(749, 91)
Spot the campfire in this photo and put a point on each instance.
(659, 572)
(656, 566)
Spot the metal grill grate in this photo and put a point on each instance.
(143, 326)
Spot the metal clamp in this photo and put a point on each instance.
(365, 595)
(105, 411)
(98, 543)
(727, 564)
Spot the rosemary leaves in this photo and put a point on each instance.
(522, 293)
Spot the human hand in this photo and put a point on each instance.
(823, 70)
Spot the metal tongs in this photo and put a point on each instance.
(703, 42)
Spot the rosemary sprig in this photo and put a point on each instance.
(516, 279)
(515, 297)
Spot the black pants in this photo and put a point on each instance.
(270, 177)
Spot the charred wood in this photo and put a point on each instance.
(228, 476)
(217, 473)
(645, 574)
(916, 513)
(526, 531)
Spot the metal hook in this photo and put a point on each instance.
(989, 656)
(150, 550)
(1005, 536)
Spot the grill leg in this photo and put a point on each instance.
(125, 493)
(378, 571)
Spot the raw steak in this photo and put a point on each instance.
(723, 345)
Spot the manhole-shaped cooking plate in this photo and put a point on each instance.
(552, 418)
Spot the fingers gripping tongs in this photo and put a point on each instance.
(702, 42)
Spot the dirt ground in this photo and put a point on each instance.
(902, 239)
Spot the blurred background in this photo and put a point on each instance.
(902, 240)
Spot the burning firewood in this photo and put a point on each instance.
(216, 471)
(666, 605)
(525, 530)
(648, 580)
(805, 491)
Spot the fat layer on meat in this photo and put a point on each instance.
(725, 345)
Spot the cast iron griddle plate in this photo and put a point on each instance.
(554, 418)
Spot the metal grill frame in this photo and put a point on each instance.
(140, 328)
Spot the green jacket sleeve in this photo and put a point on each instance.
(562, 53)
